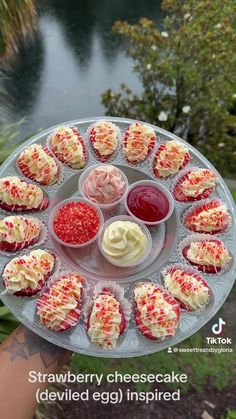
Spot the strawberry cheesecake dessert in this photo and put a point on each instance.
(195, 185)
(157, 313)
(104, 139)
(139, 142)
(211, 217)
(37, 163)
(59, 306)
(209, 255)
(188, 288)
(18, 232)
(68, 146)
(18, 195)
(26, 275)
(170, 158)
(106, 321)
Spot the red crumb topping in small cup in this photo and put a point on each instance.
(76, 223)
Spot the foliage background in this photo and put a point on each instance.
(187, 71)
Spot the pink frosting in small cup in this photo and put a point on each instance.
(104, 185)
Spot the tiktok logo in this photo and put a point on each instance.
(217, 328)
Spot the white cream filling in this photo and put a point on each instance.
(138, 141)
(14, 191)
(193, 293)
(27, 271)
(104, 322)
(124, 241)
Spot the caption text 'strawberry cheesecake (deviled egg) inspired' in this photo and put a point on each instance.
(37, 163)
(157, 313)
(104, 139)
(68, 146)
(76, 222)
(139, 142)
(211, 217)
(59, 306)
(104, 185)
(125, 242)
(18, 232)
(188, 288)
(170, 158)
(194, 185)
(18, 195)
(106, 321)
(210, 255)
(26, 275)
(149, 202)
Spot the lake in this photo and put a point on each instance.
(73, 58)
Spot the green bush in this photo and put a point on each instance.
(8, 322)
(231, 414)
(7, 134)
(188, 76)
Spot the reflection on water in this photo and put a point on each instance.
(72, 60)
(24, 81)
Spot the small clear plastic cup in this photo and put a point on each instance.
(144, 230)
(85, 175)
(54, 213)
(162, 189)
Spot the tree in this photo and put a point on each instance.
(17, 21)
(187, 71)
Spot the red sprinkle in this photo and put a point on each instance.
(76, 223)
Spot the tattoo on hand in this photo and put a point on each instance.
(26, 344)
(16, 349)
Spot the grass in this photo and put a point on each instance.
(200, 367)
(234, 195)
(8, 133)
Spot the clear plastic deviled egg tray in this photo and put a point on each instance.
(89, 261)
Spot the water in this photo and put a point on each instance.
(72, 60)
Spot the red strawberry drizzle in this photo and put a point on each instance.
(150, 148)
(106, 291)
(14, 247)
(162, 148)
(184, 285)
(80, 139)
(209, 269)
(188, 219)
(144, 329)
(100, 157)
(22, 208)
(73, 315)
(29, 292)
(25, 168)
(72, 319)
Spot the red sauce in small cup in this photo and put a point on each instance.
(148, 203)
